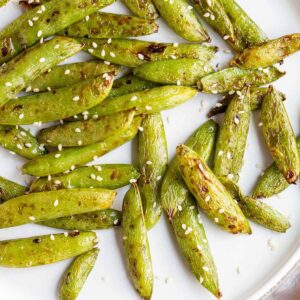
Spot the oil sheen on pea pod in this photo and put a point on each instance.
(112, 177)
(61, 161)
(279, 136)
(185, 71)
(234, 79)
(192, 241)
(232, 137)
(44, 206)
(100, 219)
(30, 64)
(76, 275)
(132, 53)
(135, 243)
(56, 105)
(174, 190)
(152, 162)
(45, 249)
(209, 192)
(142, 8)
(10, 189)
(20, 141)
(106, 25)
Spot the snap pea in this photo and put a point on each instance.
(132, 53)
(152, 162)
(135, 243)
(45, 249)
(185, 71)
(30, 64)
(3, 2)
(43, 206)
(10, 189)
(232, 137)
(100, 219)
(210, 194)
(76, 275)
(234, 79)
(32, 3)
(56, 105)
(61, 161)
(111, 176)
(20, 141)
(142, 8)
(174, 190)
(88, 132)
(279, 136)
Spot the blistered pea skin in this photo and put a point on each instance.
(10, 189)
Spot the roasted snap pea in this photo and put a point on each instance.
(234, 79)
(20, 141)
(61, 161)
(100, 219)
(55, 105)
(210, 194)
(10, 189)
(43, 206)
(135, 243)
(279, 136)
(185, 71)
(152, 162)
(30, 64)
(76, 275)
(45, 249)
(174, 191)
(232, 137)
(142, 8)
(132, 53)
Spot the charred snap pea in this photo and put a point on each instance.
(45, 249)
(232, 137)
(142, 8)
(210, 194)
(55, 105)
(61, 161)
(135, 243)
(132, 53)
(76, 275)
(174, 191)
(279, 136)
(10, 189)
(43, 206)
(234, 79)
(184, 71)
(97, 176)
(30, 64)
(20, 141)
(152, 161)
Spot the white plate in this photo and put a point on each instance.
(259, 267)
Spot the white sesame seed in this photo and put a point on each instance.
(19, 146)
(183, 226)
(79, 143)
(236, 120)
(148, 162)
(207, 198)
(217, 220)
(188, 231)
(28, 145)
(30, 23)
(43, 7)
(175, 44)
(260, 124)
(28, 89)
(42, 59)
(66, 234)
(231, 92)
(218, 104)
(226, 37)
(57, 155)
(91, 50)
(12, 152)
(95, 45)
(158, 178)
(77, 130)
(87, 18)
(56, 46)
(40, 33)
(67, 72)
(201, 279)
(23, 133)
(178, 82)
(93, 176)
(229, 155)
(179, 207)
(109, 41)
(76, 98)
(148, 107)
(55, 202)
(201, 167)
(132, 180)
(32, 218)
(204, 241)
(52, 237)
(173, 56)
(133, 98)
(57, 182)
(59, 147)
(107, 62)
(116, 222)
(141, 56)
(206, 15)
(112, 54)
(212, 17)
(154, 204)
(21, 116)
(8, 84)
(36, 90)
(190, 7)
(49, 177)
(99, 178)
(205, 268)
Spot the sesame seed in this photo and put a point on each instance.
(175, 44)
(221, 211)
(158, 178)
(188, 231)
(28, 145)
(99, 178)
(231, 92)
(52, 237)
(116, 222)
(205, 268)
(43, 7)
(59, 147)
(201, 167)
(154, 204)
(260, 124)
(36, 90)
(132, 180)
(217, 220)
(124, 238)
(49, 177)
(148, 162)
(55, 202)
(32, 218)
(218, 104)
(212, 17)
(67, 72)
(8, 84)
(95, 45)
(91, 50)
(199, 247)
(28, 89)
(12, 152)
(76, 98)
(141, 56)
(23, 133)
(42, 59)
(93, 176)
(109, 41)
(190, 7)
(107, 62)
(57, 155)
(148, 107)
(201, 279)
(57, 182)
(21, 116)
(236, 120)
(77, 130)
(79, 142)
(35, 18)
(179, 207)
(229, 155)
(40, 33)
(30, 23)
(72, 168)
(98, 168)
(207, 198)
(19, 146)
(183, 226)
(133, 98)
(204, 241)
(173, 56)
(112, 54)
(178, 82)
(226, 37)
(66, 234)
(87, 18)
(206, 15)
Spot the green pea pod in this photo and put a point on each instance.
(210, 194)
(42, 22)
(65, 75)
(45, 249)
(10, 189)
(192, 241)
(279, 136)
(76, 275)
(61, 161)
(88, 132)
(152, 161)
(174, 191)
(142, 8)
(135, 243)
(132, 53)
(234, 79)
(232, 137)
(20, 141)
(43, 206)
(112, 177)
(184, 71)
(30, 64)
(3, 2)
(100, 219)
(107, 25)
(55, 105)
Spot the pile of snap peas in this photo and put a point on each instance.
(96, 108)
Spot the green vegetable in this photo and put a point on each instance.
(142, 8)
(3, 2)
(10, 189)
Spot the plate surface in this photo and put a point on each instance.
(247, 266)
